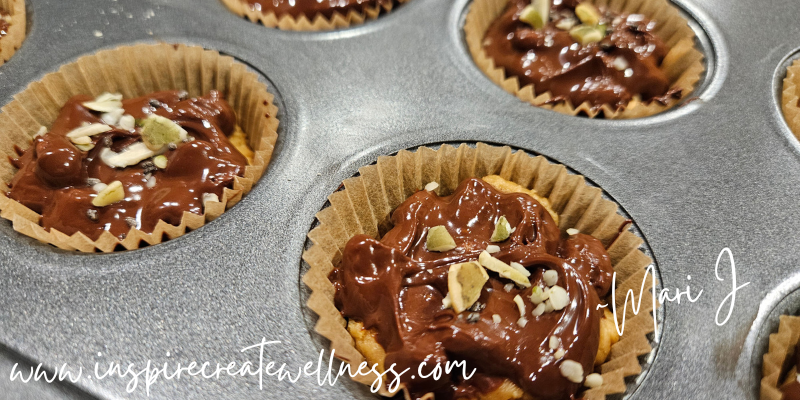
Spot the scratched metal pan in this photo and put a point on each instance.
(720, 172)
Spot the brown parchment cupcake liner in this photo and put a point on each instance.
(135, 71)
(790, 98)
(303, 23)
(10, 43)
(781, 347)
(365, 204)
(683, 63)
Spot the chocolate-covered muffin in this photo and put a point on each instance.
(532, 320)
(109, 165)
(137, 148)
(580, 58)
(310, 14)
(416, 260)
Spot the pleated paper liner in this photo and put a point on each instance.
(303, 23)
(790, 99)
(10, 43)
(365, 204)
(683, 63)
(781, 347)
(135, 71)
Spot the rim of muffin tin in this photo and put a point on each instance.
(6, 226)
(646, 361)
(708, 39)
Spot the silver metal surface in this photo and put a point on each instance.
(719, 172)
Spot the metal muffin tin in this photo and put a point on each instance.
(719, 172)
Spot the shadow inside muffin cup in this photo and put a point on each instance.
(135, 71)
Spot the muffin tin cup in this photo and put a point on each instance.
(303, 23)
(365, 204)
(136, 71)
(683, 63)
(11, 42)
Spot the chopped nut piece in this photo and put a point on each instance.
(620, 64)
(550, 277)
(160, 161)
(465, 282)
(566, 24)
(548, 306)
(92, 214)
(555, 342)
(431, 186)
(539, 310)
(110, 195)
(99, 186)
(473, 317)
(493, 248)
(586, 35)
(559, 354)
(127, 122)
(588, 14)
(439, 239)
(572, 231)
(112, 117)
(106, 102)
(131, 222)
(85, 147)
(496, 318)
(522, 270)
(502, 230)
(132, 155)
(522, 321)
(92, 181)
(158, 132)
(536, 14)
(83, 140)
(151, 182)
(537, 295)
(558, 297)
(446, 302)
(508, 287)
(505, 270)
(572, 370)
(42, 130)
(520, 305)
(593, 380)
(88, 130)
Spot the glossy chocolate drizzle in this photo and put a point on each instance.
(552, 61)
(310, 8)
(396, 286)
(54, 175)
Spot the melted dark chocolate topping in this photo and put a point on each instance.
(552, 61)
(310, 8)
(396, 286)
(54, 175)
